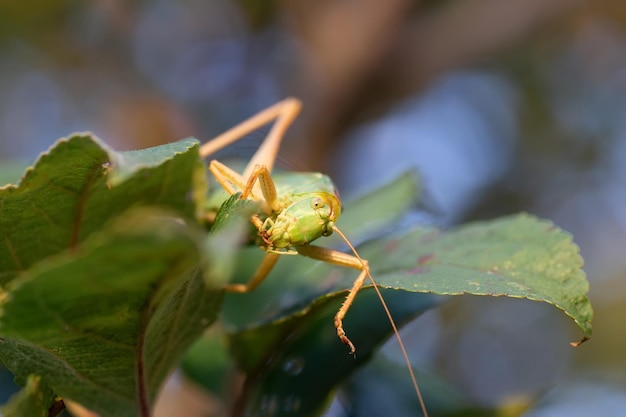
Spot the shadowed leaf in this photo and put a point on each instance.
(295, 363)
(105, 325)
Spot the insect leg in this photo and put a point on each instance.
(268, 262)
(283, 112)
(342, 259)
(356, 262)
(232, 182)
(266, 183)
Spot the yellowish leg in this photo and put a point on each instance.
(232, 182)
(343, 259)
(229, 179)
(284, 113)
(356, 262)
(266, 183)
(269, 260)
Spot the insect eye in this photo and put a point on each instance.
(317, 203)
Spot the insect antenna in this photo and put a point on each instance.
(391, 320)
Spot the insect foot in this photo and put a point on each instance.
(342, 336)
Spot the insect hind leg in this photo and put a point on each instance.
(283, 113)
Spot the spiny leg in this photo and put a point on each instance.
(356, 262)
(232, 182)
(342, 259)
(262, 176)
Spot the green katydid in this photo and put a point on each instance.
(296, 209)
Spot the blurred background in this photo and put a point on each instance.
(502, 106)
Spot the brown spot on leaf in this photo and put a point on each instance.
(391, 246)
(425, 259)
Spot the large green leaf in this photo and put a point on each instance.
(104, 325)
(518, 256)
(79, 184)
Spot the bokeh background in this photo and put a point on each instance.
(502, 106)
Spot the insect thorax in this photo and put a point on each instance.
(307, 213)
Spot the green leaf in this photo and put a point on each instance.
(34, 400)
(518, 256)
(296, 362)
(233, 209)
(208, 362)
(105, 324)
(79, 184)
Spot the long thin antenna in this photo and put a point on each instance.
(391, 320)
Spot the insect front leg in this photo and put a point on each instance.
(262, 176)
(268, 262)
(232, 182)
(229, 179)
(339, 258)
